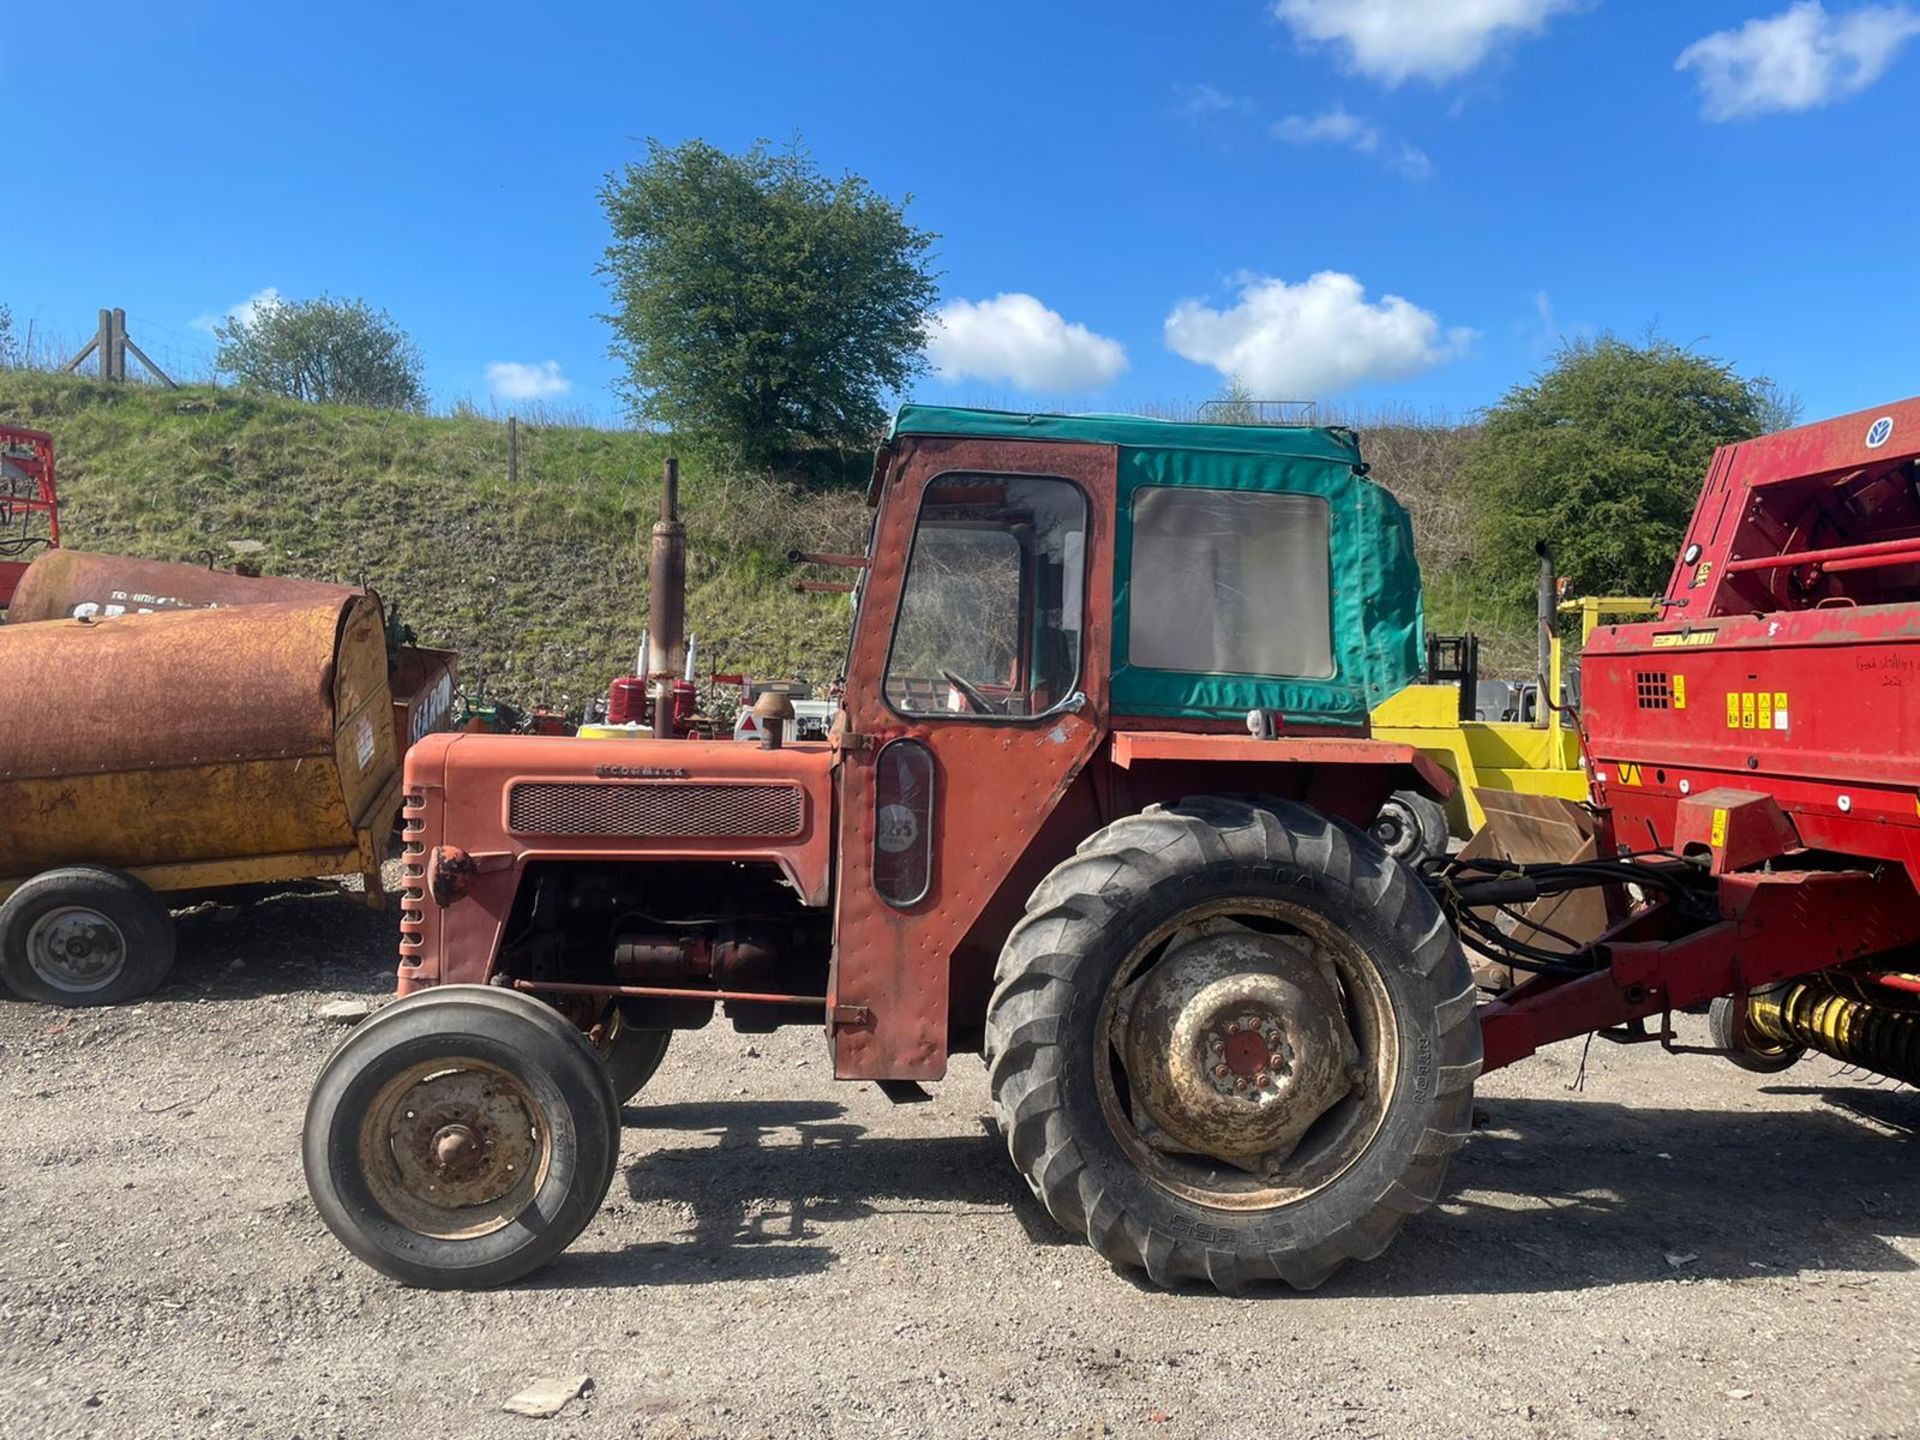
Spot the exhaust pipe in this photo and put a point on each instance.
(1549, 603)
(666, 604)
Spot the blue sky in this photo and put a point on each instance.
(1155, 188)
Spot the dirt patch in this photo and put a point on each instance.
(1675, 1249)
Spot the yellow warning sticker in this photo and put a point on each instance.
(1719, 835)
(1748, 716)
(1679, 692)
(1684, 639)
(1779, 709)
(1733, 710)
(1629, 774)
(1765, 704)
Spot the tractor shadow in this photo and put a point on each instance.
(772, 1181)
(1551, 1196)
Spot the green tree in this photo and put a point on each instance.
(1603, 456)
(334, 352)
(759, 302)
(7, 343)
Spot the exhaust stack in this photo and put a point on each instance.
(1549, 616)
(666, 604)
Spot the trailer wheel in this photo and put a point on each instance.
(1233, 1042)
(632, 1054)
(461, 1138)
(84, 935)
(1761, 1059)
(1411, 827)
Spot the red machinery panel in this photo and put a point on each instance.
(1788, 663)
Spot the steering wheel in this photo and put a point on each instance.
(980, 703)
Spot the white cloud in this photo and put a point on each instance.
(1015, 339)
(1288, 342)
(1338, 127)
(245, 313)
(1800, 59)
(1396, 40)
(511, 380)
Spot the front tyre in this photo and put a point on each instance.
(461, 1138)
(1233, 1042)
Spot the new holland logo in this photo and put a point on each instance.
(1879, 432)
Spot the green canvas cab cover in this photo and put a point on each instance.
(1374, 610)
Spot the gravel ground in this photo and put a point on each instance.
(1675, 1249)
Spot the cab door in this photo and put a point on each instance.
(976, 694)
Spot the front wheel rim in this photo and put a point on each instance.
(1334, 1140)
(455, 1148)
(76, 949)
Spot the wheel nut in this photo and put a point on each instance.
(1219, 1072)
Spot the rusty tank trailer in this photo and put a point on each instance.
(183, 751)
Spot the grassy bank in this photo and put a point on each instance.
(540, 584)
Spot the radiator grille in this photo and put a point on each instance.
(672, 809)
(1654, 689)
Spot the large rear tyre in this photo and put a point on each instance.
(1233, 1042)
(1411, 827)
(84, 935)
(461, 1138)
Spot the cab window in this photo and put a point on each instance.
(990, 617)
(1230, 582)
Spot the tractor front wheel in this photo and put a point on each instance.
(461, 1137)
(1233, 1042)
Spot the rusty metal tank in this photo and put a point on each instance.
(199, 748)
(65, 584)
(61, 584)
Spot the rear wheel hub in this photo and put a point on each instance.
(1236, 1042)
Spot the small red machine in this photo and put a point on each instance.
(29, 506)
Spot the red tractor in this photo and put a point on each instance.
(1092, 807)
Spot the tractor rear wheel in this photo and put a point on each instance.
(1411, 827)
(84, 935)
(461, 1137)
(1233, 1042)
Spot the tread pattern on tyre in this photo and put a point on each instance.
(1042, 978)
